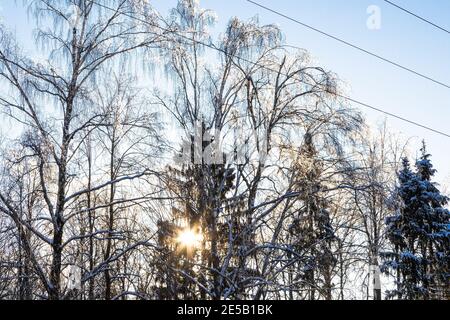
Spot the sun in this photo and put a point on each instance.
(189, 238)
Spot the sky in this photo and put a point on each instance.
(401, 38)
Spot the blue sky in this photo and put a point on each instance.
(402, 38)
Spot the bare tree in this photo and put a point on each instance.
(378, 159)
(87, 44)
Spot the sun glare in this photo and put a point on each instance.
(189, 238)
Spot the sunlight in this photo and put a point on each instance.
(189, 238)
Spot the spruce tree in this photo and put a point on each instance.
(433, 230)
(312, 230)
(419, 234)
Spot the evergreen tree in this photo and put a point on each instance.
(201, 190)
(419, 233)
(312, 230)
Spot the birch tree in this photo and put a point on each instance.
(52, 97)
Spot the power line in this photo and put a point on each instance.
(417, 16)
(398, 65)
(366, 105)
(394, 115)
